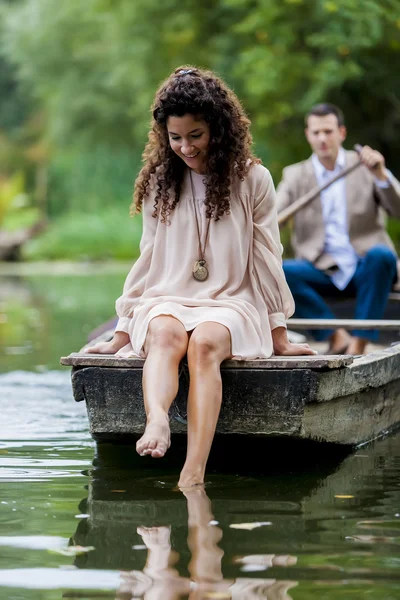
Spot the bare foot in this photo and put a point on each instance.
(357, 346)
(191, 477)
(160, 556)
(339, 342)
(156, 438)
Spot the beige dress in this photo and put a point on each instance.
(246, 290)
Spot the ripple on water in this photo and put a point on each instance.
(334, 532)
(52, 579)
(40, 406)
(43, 431)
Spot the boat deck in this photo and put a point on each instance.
(337, 399)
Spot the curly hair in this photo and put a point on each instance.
(198, 92)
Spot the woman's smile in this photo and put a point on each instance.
(189, 137)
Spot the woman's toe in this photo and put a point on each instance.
(159, 451)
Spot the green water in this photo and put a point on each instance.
(326, 529)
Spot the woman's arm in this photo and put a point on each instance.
(268, 267)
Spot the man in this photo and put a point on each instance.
(339, 238)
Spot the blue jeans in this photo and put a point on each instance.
(370, 285)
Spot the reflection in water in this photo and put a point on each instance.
(283, 536)
(171, 543)
(45, 317)
(159, 580)
(331, 526)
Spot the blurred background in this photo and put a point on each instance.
(77, 80)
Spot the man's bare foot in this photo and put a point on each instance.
(339, 342)
(156, 438)
(357, 346)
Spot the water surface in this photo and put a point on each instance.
(76, 522)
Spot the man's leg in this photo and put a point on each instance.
(373, 281)
(308, 286)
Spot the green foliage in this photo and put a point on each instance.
(394, 232)
(15, 103)
(83, 181)
(107, 234)
(10, 190)
(92, 68)
(15, 208)
(95, 65)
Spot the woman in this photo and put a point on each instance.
(209, 282)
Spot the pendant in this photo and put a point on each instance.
(200, 271)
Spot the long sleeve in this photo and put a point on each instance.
(389, 195)
(136, 280)
(284, 191)
(267, 251)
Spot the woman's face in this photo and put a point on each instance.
(189, 137)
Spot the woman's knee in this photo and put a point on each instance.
(167, 335)
(203, 349)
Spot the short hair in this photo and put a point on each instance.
(321, 110)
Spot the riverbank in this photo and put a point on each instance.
(64, 267)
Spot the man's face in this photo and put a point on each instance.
(325, 136)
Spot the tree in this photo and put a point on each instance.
(95, 65)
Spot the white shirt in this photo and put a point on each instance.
(334, 214)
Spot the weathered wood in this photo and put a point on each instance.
(255, 401)
(258, 400)
(388, 325)
(77, 359)
(355, 418)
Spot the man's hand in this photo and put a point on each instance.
(375, 162)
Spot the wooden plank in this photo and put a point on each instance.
(78, 359)
(373, 370)
(388, 325)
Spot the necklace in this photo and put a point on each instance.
(199, 271)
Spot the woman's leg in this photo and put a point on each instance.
(205, 566)
(165, 346)
(209, 345)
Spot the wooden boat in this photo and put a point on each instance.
(333, 399)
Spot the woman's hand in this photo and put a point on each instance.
(119, 340)
(282, 346)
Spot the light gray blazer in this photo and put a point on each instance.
(367, 206)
